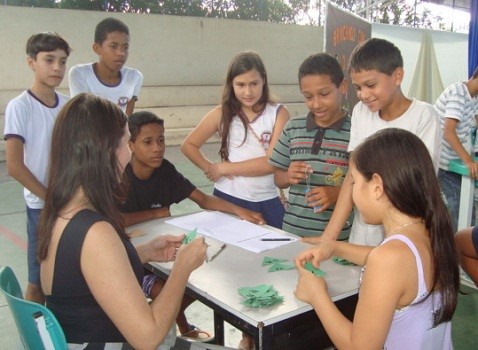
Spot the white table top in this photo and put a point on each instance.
(219, 280)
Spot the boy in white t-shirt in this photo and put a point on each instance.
(29, 121)
(376, 70)
(109, 77)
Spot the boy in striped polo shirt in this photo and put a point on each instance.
(311, 155)
(457, 108)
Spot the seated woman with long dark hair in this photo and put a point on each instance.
(90, 272)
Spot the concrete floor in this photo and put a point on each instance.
(13, 253)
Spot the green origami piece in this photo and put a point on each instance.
(248, 292)
(260, 296)
(318, 272)
(190, 236)
(280, 267)
(269, 261)
(342, 261)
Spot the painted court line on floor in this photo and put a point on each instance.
(12, 237)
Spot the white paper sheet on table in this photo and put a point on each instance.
(231, 230)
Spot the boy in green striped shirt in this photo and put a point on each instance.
(311, 155)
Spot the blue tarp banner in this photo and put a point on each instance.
(473, 38)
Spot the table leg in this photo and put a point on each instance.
(265, 340)
(218, 329)
(466, 202)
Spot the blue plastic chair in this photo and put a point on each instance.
(37, 326)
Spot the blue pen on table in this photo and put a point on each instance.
(275, 239)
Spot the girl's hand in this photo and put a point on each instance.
(216, 170)
(322, 196)
(309, 286)
(164, 248)
(192, 255)
(298, 172)
(249, 215)
(323, 251)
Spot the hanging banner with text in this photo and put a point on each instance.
(343, 31)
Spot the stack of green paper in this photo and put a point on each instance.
(318, 272)
(190, 236)
(342, 261)
(261, 296)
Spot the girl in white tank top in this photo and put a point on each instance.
(408, 290)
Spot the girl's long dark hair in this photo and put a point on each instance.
(240, 64)
(404, 163)
(85, 137)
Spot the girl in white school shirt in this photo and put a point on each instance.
(249, 124)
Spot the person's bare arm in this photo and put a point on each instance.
(206, 201)
(191, 146)
(252, 167)
(144, 215)
(130, 106)
(325, 250)
(17, 169)
(342, 210)
(449, 134)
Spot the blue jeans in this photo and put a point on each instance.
(33, 217)
(272, 210)
(450, 185)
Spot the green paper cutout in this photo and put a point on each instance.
(269, 261)
(318, 272)
(281, 267)
(190, 236)
(342, 261)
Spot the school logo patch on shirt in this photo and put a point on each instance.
(122, 101)
(266, 138)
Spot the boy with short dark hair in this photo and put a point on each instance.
(109, 77)
(457, 108)
(29, 121)
(154, 185)
(376, 70)
(311, 155)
